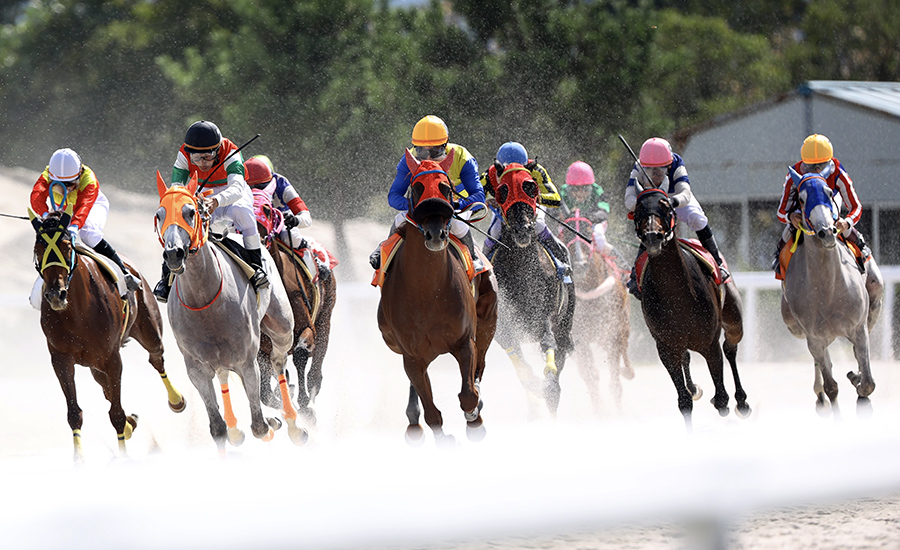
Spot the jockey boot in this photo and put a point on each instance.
(709, 243)
(103, 247)
(470, 244)
(253, 256)
(490, 246)
(632, 283)
(777, 259)
(324, 271)
(855, 237)
(375, 257)
(559, 252)
(161, 291)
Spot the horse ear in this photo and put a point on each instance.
(161, 184)
(448, 161)
(411, 162)
(794, 175)
(35, 220)
(192, 183)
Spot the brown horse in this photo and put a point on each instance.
(684, 309)
(428, 306)
(86, 322)
(312, 304)
(602, 316)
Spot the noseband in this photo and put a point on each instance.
(647, 207)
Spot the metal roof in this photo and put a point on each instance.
(880, 96)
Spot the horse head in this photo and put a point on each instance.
(817, 205)
(54, 256)
(181, 222)
(654, 220)
(517, 194)
(431, 199)
(269, 219)
(580, 251)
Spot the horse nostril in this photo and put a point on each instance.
(62, 295)
(179, 254)
(822, 233)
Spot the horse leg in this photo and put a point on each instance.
(742, 409)
(824, 385)
(862, 380)
(584, 357)
(789, 320)
(469, 400)
(300, 357)
(267, 395)
(417, 372)
(714, 363)
(672, 359)
(147, 330)
(551, 369)
(110, 379)
(414, 431)
(875, 290)
(64, 367)
(696, 391)
(486, 327)
(203, 383)
(261, 427)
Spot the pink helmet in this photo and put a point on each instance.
(580, 173)
(656, 152)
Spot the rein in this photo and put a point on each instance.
(218, 293)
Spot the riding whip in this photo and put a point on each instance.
(637, 161)
(15, 217)
(567, 226)
(221, 162)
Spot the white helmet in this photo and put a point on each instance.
(65, 165)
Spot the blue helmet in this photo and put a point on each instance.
(512, 151)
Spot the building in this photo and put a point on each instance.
(738, 162)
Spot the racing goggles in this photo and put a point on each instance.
(208, 156)
(425, 152)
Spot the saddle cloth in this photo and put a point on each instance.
(390, 246)
(694, 247)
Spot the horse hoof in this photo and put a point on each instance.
(270, 435)
(697, 393)
(445, 441)
(476, 431)
(822, 407)
(131, 422)
(299, 436)
(235, 437)
(178, 407)
(854, 378)
(628, 373)
(742, 410)
(415, 435)
(724, 411)
(864, 408)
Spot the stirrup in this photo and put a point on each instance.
(632, 287)
(131, 282)
(375, 259)
(324, 272)
(161, 291)
(259, 280)
(724, 275)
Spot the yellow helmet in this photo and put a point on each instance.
(816, 149)
(430, 131)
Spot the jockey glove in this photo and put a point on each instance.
(73, 232)
(674, 202)
(290, 220)
(531, 164)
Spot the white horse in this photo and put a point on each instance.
(824, 295)
(217, 317)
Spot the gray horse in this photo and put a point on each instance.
(824, 295)
(217, 317)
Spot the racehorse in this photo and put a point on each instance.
(429, 307)
(312, 304)
(217, 316)
(602, 315)
(86, 321)
(824, 295)
(685, 309)
(534, 304)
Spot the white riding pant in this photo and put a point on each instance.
(92, 232)
(239, 215)
(692, 214)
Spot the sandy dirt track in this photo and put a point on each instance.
(624, 478)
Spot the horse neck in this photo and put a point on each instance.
(818, 261)
(672, 263)
(424, 260)
(200, 279)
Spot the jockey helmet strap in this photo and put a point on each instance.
(173, 201)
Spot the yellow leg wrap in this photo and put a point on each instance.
(76, 439)
(516, 359)
(290, 413)
(128, 431)
(175, 396)
(550, 367)
(230, 419)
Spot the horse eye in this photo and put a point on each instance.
(530, 188)
(187, 212)
(160, 217)
(446, 190)
(502, 194)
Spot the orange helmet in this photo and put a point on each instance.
(429, 132)
(256, 172)
(816, 149)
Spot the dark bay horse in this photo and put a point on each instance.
(312, 304)
(428, 307)
(824, 295)
(684, 309)
(534, 304)
(86, 322)
(602, 315)
(217, 317)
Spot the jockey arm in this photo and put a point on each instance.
(549, 194)
(289, 199)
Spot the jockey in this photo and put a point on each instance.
(75, 190)
(667, 171)
(817, 156)
(547, 195)
(583, 193)
(430, 140)
(260, 174)
(231, 200)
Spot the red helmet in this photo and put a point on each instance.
(580, 173)
(656, 152)
(257, 172)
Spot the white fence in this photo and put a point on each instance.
(752, 283)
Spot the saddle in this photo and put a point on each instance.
(108, 267)
(390, 246)
(707, 262)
